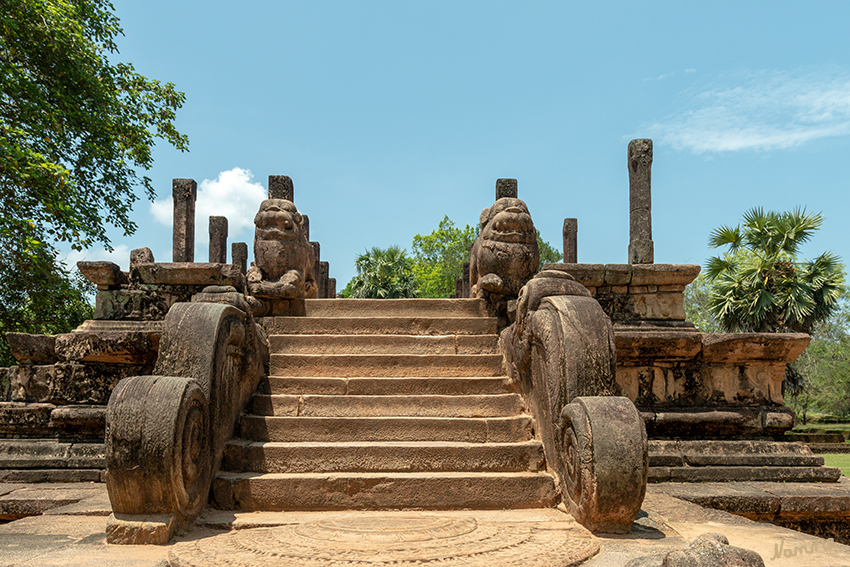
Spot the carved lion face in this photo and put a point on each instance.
(508, 220)
(278, 219)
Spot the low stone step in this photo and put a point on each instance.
(380, 325)
(51, 454)
(375, 491)
(741, 474)
(383, 386)
(458, 429)
(391, 365)
(494, 405)
(396, 307)
(384, 344)
(275, 457)
(703, 453)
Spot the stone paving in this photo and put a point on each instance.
(71, 532)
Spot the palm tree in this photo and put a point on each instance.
(383, 274)
(758, 285)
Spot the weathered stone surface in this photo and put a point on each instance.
(31, 383)
(89, 383)
(644, 348)
(81, 421)
(224, 294)
(717, 421)
(5, 384)
(505, 255)
(116, 348)
(708, 550)
(640, 202)
(18, 419)
(606, 462)
(184, 192)
(105, 274)
(331, 288)
(506, 188)
(239, 255)
(32, 349)
(570, 241)
(747, 347)
(283, 258)
(188, 274)
(399, 539)
(281, 187)
(140, 256)
(218, 240)
(133, 529)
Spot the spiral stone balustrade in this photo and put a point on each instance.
(165, 433)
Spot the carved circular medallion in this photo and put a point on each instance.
(401, 541)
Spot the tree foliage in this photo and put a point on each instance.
(76, 130)
(697, 300)
(439, 256)
(383, 274)
(548, 253)
(760, 285)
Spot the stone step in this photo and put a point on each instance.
(390, 365)
(384, 344)
(491, 405)
(706, 453)
(744, 474)
(51, 454)
(396, 307)
(358, 429)
(351, 456)
(361, 386)
(374, 491)
(380, 325)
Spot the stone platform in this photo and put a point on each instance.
(71, 532)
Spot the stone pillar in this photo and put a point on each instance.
(317, 250)
(458, 288)
(184, 192)
(305, 228)
(322, 280)
(218, 240)
(570, 241)
(506, 188)
(466, 290)
(641, 248)
(280, 187)
(239, 255)
(331, 288)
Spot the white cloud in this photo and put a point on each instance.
(761, 111)
(232, 194)
(120, 255)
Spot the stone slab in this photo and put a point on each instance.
(359, 386)
(380, 325)
(384, 344)
(470, 430)
(188, 273)
(397, 365)
(401, 539)
(396, 307)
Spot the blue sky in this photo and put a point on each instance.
(389, 115)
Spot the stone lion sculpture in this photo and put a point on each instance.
(283, 258)
(505, 255)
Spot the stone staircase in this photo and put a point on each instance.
(380, 404)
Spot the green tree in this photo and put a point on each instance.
(548, 253)
(439, 256)
(382, 274)
(75, 131)
(697, 299)
(760, 285)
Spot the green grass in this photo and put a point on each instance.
(840, 460)
(809, 426)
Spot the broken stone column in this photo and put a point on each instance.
(506, 188)
(184, 192)
(324, 272)
(465, 290)
(281, 187)
(331, 288)
(239, 255)
(305, 227)
(570, 241)
(641, 250)
(218, 240)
